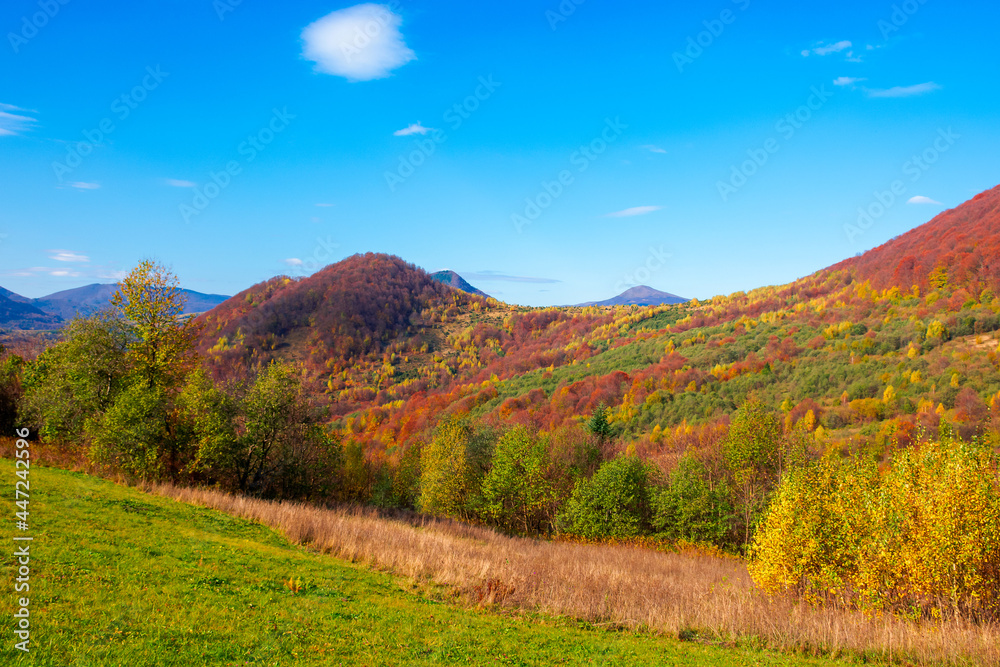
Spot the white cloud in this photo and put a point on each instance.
(292, 261)
(177, 183)
(652, 148)
(67, 256)
(80, 185)
(827, 49)
(635, 210)
(12, 124)
(416, 128)
(906, 91)
(920, 199)
(847, 80)
(359, 43)
(324, 205)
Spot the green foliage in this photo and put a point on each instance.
(281, 448)
(754, 454)
(692, 507)
(78, 378)
(208, 417)
(599, 425)
(515, 492)
(614, 503)
(130, 434)
(11, 369)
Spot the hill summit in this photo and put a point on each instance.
(641, 295)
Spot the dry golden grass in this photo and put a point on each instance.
(680, 594)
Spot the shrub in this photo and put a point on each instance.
(515, 492)
(691, 508)
(614, 503)
(923, 539)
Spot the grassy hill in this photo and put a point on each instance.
(122, 577)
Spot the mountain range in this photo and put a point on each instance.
(54, 310)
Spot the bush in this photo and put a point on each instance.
(515, 492)
(923, 539)
(692, 508)
(614, 503)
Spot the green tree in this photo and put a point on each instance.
(599, 425)
(614, 503)
(78, 378)
(282, 449)
(692, 508)
(754, 455)
(516, 492)
(208, 417)
(130, 435)
(11, 368)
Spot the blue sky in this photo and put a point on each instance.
(700, 148)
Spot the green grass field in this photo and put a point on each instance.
(119, 577)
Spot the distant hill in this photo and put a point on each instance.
(14, 297)
(452, 279)
(370, 308)
(54, 310)
(91, 298)
(640, 296)
(21, 315)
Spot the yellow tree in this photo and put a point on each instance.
(150, 302)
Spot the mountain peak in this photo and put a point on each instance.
(640, 295)
(452, 279)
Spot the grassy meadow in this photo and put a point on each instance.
(121, 577)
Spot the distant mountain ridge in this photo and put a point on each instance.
(641, 295)
(54, 310)
(452, 279)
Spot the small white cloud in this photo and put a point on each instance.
(847, 80)
(177, 183)
(652, 148)
(80, 185)
(63, 273)
(324, 205)
(827, 49)
(67, 256)
(920, 199)
(292, 261)
(635, 210)
(906, 91)
(12, 124)
(359, 43)
(416, 128)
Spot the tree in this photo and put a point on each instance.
(691, 507)
(281, 448)
(614, 503)
(149, 301)
(599, 425)
(445, 472)
(515, 492)
(78, 378)
(754, 456)
(11, 367)
(131, 434)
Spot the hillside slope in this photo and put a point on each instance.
(168, 584)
